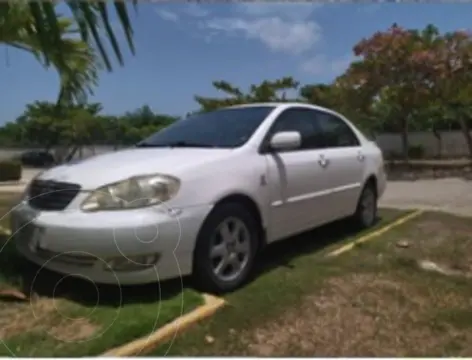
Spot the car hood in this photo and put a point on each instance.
(112, 167)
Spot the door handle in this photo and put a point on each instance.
(360, 156)
(323, 161)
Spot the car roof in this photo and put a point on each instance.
(283, 105)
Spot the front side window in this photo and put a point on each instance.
(301, 120)
(225, 128)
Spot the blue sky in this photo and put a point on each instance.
(181, 48)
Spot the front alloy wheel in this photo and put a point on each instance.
(230, 249)
(225, 249)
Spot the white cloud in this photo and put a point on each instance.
(283, 27)
(167, 15)
(321, 64)
(278, 34)
(196, 10)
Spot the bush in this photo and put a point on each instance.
(416, 152)
(10, 170)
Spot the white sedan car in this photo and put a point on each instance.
(201, 196)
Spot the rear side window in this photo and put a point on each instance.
(336, 133)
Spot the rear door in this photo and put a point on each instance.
(345, 162)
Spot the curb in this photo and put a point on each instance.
(374, 234)
(12, 188)
(13, 183)
(146, 343)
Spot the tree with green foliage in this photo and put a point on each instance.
(135, 125)
(452, 65)
(411, 79)
(319, 94)
(267, 91)
(66, 130)
(386, 73)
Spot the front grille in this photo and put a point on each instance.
(51, 195)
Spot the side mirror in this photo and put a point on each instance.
(286, 140)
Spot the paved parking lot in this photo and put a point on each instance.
(452, 194)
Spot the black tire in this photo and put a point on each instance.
(203, 274)
(361, 219)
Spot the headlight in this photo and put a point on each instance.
(132, 193)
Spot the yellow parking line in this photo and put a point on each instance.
(5, 231)
(145, 344)
(376, 233)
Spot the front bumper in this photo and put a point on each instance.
(82, 244)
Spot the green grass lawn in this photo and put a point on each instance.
(372, 301)
(288, 272)
(72, 317)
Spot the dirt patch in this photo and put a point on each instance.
(73, 330)
(17, 318)
(438, 237)
(357, 315)
(41, 315)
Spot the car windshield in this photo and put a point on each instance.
(225, 128)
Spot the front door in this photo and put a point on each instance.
(299, 183)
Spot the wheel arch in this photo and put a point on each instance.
(248, 202)
(252, 207)
(372, 179)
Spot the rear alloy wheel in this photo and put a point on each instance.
(366, 212)
(226, 248)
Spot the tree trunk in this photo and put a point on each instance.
(405, 141)
(60, 153)
(466, 131)
(71, 154)
(438, 137)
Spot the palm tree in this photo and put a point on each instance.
(43, 23)
(77, 65)
(74, 59)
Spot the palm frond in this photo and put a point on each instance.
(39, 19)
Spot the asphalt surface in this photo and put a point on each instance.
(452, 195)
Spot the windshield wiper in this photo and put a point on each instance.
(177, 144)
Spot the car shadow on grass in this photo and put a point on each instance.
(282, 253)
(32, 280)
